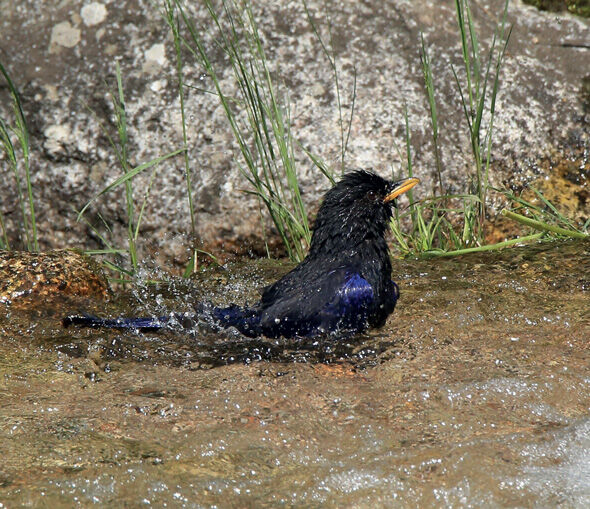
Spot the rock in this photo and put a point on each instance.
(64, 35)
(35, 277)
(155, 59)
(93, 14)
(540, 110)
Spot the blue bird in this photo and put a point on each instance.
(343, 285)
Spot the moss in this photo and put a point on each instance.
(579, 7)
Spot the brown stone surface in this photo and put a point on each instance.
(32, 278)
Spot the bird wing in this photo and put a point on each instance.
(337, 299)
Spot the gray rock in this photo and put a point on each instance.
(60, 58)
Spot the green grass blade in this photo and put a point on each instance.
(21, 131)
(488, 247)
(128, 176)
(4, 244)
(173, 22)
(429, 83)
(143, 205)
(538, 225)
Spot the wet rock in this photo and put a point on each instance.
(61, 56)
(31, 278)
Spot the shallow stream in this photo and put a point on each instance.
(475, 394)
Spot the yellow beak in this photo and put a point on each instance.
(401, 187)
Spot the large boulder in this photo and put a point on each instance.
(63, 59)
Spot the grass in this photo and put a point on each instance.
(434, 228)
(450, 225)
(19, 132)
(169, 16)
(259, 113)
(545, 218)
(473, 95)
(133, 212)
(263, 132)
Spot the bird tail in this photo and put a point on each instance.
(142, 323)
(246, 320)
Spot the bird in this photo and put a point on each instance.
(343, 285)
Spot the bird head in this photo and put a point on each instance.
(357, 208)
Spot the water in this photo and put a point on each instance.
(475, 394)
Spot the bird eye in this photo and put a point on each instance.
(372, 196)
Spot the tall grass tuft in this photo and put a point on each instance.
(134, 213)
(429, 85)
(259, 117)
(20, 132)
(434, 223)
(171, 19)
(474, 95)
(455, 223)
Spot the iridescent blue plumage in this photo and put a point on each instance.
(343, 285)
(141, 323)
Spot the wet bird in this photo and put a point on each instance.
(343, 285)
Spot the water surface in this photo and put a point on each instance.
(475, 393)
